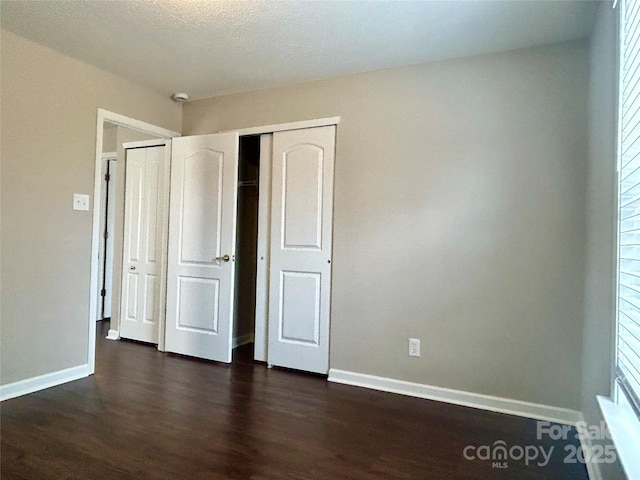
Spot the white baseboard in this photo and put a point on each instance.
(458, 397)
(113, 335)
(241, 340)
(41, 382)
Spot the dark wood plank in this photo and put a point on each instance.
(145, 414)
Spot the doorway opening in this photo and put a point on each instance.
(246, 260)
(112, 131)
(113, 175)
(107, 227)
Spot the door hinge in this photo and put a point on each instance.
(107, 177)
(103, 292)
(105, 235)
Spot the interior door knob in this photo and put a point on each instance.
(224, 258)
(132, 267)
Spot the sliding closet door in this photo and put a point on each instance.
(202, 241)
(264, 237)
(145, 218)
(301, 233)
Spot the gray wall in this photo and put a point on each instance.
(599, 304)
(459, 216)
(49, 109)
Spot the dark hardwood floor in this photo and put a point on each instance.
(145, 414)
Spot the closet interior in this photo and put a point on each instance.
(246, 240)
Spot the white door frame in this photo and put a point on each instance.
(280, 127)
(123, 121)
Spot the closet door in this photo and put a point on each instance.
(264, 237)
(202, 239)
(142, 267)
(301, 232)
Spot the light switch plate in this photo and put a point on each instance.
(80, 201)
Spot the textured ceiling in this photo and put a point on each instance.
(209, 48)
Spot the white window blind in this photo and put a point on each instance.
(628, 318)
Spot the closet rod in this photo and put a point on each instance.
(248, 183)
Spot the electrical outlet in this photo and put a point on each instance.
(414, 347)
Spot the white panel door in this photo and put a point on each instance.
(142, 265)
(202, 239)
(300, 278)
(264, 237)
